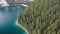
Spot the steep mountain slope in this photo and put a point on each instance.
(3, 3)
(42, 17)
(14, 2)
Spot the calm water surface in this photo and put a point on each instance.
(8, 17)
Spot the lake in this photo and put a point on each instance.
(8, 17)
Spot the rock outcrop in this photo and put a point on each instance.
(14, 2)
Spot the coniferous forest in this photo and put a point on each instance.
(41, 17)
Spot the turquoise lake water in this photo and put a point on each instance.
(8, 17)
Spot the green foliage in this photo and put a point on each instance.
(42, 17)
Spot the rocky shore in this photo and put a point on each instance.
(18, 24)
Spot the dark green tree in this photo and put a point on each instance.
(42, 17)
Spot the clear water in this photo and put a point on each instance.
(8, 17)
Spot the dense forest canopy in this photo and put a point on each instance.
(42, 17)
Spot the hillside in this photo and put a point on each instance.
(18, 2)
(41, 17)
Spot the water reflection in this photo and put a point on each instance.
(8, 16)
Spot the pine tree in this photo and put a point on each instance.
(42, 17)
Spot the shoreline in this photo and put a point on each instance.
(22, 27)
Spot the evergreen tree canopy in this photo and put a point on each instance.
(42, 17)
